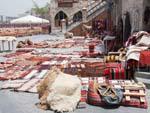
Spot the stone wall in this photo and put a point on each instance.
(116, 11)
(146, 4)
(77, 31)
(135, 8)
(69, 11)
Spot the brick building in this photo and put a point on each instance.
(75, 13)
(65, 9)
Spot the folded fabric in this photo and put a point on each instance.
(144, 41)
(134, 56)
(145, 58)
(134, 52)
(31, 83)
(115, 72)
(94, 97)
(14, 84)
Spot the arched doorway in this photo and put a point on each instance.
(77, 16)
(59, 16)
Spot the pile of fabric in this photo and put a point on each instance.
(115, 93)
(145, 58)
(136, 43)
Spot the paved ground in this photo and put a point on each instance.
(16, 102)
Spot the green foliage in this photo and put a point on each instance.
(41, 11)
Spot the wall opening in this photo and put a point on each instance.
(59, 16)
(77, 16)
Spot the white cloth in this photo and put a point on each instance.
(144, 41)
(29, 19)
(134, 52)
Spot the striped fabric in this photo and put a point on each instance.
(85, 86)
(30, 84)
(13, 84)
(115, 73)
(118, 73)
(94, 98)
(135, 102)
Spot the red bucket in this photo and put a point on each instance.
(91, 48)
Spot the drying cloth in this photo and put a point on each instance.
(134, 52)
(145, 58)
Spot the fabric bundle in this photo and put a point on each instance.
(145, 58)
(111, 96)
(113, 93)
(103, 94)
(118, 73)
(115, 73)
(136, 43)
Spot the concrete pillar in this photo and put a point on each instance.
(12, 43)
(63, 25)
(0, 46)
(84, 15)
(3, 45)
(9, 48)
(52, 13)
(52, 22)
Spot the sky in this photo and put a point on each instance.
(16, 7)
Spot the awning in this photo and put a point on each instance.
(29, 20)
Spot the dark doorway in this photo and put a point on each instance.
(127, 27)
(77, 16)
(59, 16)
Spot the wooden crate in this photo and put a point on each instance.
(134, 95)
